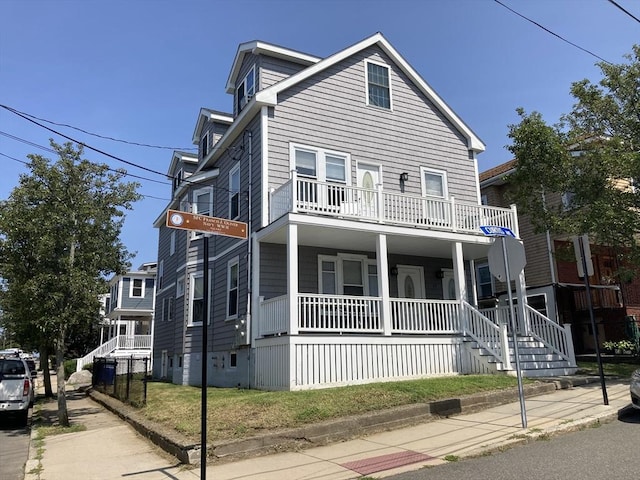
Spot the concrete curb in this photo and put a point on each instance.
(330, 431)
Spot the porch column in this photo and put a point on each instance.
(292, 276)
(251, 327)
(458, 270)
(383, 282)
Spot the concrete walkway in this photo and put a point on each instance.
(109, 448)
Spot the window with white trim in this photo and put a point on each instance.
(234, 193)
(180, 287)
(233, 287)
(378, 85)
(204, 145)
(178, 178)
(136, 288)
(434, 182)
(167, 309)
(347, 274)
(484, 281)
(196, 298)
(160, 274)
(202, 205)
(172, 243)
(246, 89)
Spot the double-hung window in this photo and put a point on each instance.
(347, 274)
(196, 294)
(136, 288)
(234, 193)
(484, 282)
(178, 178)
(202, 203)
(232, 288)
(246, 89)
(378, 85)
(167, 309)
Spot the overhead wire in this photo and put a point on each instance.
(552, 33)
(624, 10)
(128, 142)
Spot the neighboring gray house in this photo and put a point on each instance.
(359, 187)
(127, 313)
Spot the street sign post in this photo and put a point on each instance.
(501, 268)
(215, 226)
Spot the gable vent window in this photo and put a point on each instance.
(205, 145)
(378, 86)
(246, 89)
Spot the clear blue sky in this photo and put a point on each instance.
(140, 70)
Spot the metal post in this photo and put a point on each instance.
(205, 321)
(523, 411)
(605, 398)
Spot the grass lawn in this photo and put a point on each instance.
(236, 413)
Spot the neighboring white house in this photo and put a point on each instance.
(359, 188)
(127, 313)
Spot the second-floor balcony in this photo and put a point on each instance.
(302, 194)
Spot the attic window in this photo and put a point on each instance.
(205, 145)
(246, 89)
(378, 86)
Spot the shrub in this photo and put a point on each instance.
(69, 368)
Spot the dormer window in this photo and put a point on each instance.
(246, 89)
(205, 145)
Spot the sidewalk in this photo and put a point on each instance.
(109, 448)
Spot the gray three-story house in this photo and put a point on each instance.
(359, 188)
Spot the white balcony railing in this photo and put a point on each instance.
(307, 195)
(120, 342)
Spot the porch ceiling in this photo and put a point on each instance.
(354, 235)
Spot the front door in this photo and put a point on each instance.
(368, 178)
(448, 284)
(410, 282)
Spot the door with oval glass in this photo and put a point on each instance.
(448, 284)
(368, 178)
(410, 281)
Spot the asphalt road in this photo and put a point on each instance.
(14, 448)
(611, 450)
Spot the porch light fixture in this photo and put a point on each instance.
(394, 271)
(440, 274)
(404, 176)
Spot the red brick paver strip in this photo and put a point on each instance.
(385, 462)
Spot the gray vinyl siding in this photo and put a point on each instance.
(273, 70)
(329, 111)
(141, 303)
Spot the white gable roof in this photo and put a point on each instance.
(269, 95)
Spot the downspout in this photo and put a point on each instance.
(248, 325)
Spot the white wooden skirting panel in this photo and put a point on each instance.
(302, 363)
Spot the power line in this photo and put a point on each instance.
(27, 142)
(552, 33)
(102, 152)
(13, 158)
(102, 136)
(624, 10)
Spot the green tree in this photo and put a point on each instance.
(59, 239)
(591, 156)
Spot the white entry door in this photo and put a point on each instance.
(369, 177)
(410, 282)
(448, 284)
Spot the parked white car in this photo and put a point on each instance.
(16, 387)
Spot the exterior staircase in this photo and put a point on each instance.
(119, 346)
(536, 359)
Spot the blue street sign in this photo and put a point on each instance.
(496, 231)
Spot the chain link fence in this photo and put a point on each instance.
(122, 378)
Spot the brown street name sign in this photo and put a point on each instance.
(206, 224)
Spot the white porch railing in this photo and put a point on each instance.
(425, 316)
(346, 201)
(489, 334)
(339, 313)
(119, 342)
(556, 337)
